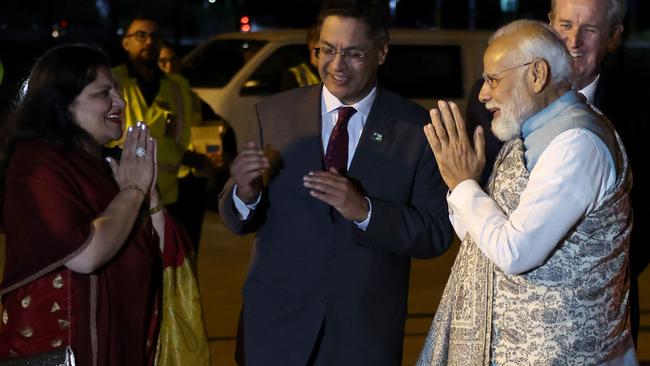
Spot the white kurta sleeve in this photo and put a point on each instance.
(571, 176)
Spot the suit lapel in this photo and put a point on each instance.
(309, 124)
(306, 129)
(378, 133)
(313, 126)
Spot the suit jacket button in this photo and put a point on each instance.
(322, 300)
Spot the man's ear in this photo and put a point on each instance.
(539, 75)
(125, 42)
(383, 51)
(615, 37)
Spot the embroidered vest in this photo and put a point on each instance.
(573, 307)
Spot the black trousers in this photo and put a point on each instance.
(189, 209)
(240, 358)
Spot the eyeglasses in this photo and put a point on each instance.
(327, 53)
(492, 80)
(141, 36)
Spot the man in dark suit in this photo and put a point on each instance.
(591, 30)
(341, 210)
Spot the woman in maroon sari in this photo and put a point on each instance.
(83, 250)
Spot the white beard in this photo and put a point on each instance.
(512, 114)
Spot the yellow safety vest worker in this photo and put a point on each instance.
(170, 118)
(304, 75)
(197, 119)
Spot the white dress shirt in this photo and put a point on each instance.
(589, 91)
(570, 178)
(329, 115)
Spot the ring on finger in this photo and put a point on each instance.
(140, 151)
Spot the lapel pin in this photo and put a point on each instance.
(377, 137)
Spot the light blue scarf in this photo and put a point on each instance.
(567, 112)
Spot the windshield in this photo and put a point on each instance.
(213, 64)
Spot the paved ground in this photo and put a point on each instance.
(223, 260)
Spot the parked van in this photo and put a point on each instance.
(233, 71)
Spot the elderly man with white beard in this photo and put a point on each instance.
(541, 277)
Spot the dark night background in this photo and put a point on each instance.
(28, 28)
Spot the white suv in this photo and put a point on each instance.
(233, 71)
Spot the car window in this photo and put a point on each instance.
(267, 77)
(423, 71)
(216, 62)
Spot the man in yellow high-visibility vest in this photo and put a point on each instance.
(305, 73)
(163, 102)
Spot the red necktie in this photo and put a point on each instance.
(337, 147)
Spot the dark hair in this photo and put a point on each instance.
(374, 13)
(56, 79)
(144, 17)
(167, 44)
